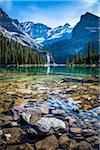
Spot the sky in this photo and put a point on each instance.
(50, 12)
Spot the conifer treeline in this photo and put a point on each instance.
(91, 56)
(12, 52)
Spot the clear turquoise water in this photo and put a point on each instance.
(53, 70)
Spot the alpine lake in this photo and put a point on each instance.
(49, 108)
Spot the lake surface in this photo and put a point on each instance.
(51, 70)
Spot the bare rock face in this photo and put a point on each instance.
(49, 143)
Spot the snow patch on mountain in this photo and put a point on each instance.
(44, 35)
(24, 39)
(35, 30)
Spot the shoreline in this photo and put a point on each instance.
(51, 65)
(50, 110)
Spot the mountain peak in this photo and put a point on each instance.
(88, 15)
(3, 14)
(67, 25)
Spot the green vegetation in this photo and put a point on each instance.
(12, 52)
(90, 57)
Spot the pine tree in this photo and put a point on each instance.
(12, 52)
(67, 62)
(76, 58)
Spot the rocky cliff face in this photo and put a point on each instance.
(11, 28)
(61, 41)
(87, 29)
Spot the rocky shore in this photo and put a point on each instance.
(48, 113)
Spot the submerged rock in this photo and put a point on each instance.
(75, 130)
(12, 134)
(26, 117)
(30, 118)
(64, 141)
(83, 145)
(73, 145)
(58, 112)
(25, 146)
(49, 125)
(49, 143)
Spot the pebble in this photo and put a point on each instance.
(8, 136)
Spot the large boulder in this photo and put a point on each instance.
(83, 145)
(30, 117)
(12, 135)
(64, 141)
(49, 143)
(49, 125)
(25, 146)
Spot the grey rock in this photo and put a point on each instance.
(49, 125)
(1, 123)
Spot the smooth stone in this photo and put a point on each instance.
(83, 145)
(24, 91)
(86, 96)
(25, 146)
(15, 115)
(97, 143)
(71, 120)
(4, 118)
(64, 140)
(34, 118)
(1, 132)
(15, 134)
(1, 110)
(75, 130)
(49, 125)
(14, 124)
(44, 110)
(58, 112)
(1, 123)
(88, 132)
(76, 97)
(87, 106)
(19, 102)
(49, 143)
(73, 144)
(26, 117)
(92, 139)
(11, 93)
(97, 124)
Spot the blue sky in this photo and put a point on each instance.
(50, 12)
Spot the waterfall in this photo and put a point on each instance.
(48, 58)
(48, 62)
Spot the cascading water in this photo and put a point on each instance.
(48, 62)
(48, 58)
